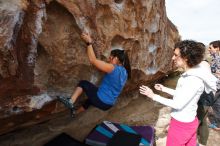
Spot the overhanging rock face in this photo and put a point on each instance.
(42, 54)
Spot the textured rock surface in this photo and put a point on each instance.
(42, 55)
(133, 111)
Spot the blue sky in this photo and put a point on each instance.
(195, 19)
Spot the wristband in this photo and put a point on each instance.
(89, 43)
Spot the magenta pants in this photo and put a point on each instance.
(182, 133)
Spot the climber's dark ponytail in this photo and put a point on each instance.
(124, 60)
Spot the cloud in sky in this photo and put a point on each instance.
(195, 19)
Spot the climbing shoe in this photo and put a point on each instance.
(73, 112)
(66, 101)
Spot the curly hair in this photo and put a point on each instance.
(192, 51)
